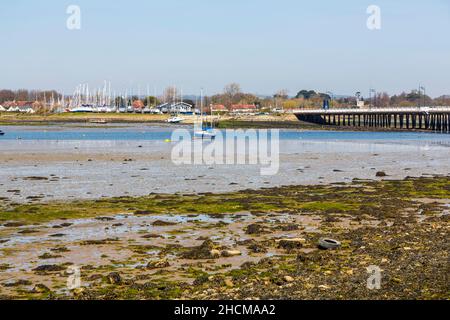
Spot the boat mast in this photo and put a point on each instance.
(201, 108)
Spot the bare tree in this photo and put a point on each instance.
(231, 93)
(170, 94)
(282, 94)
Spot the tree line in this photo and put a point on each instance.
(233, 94)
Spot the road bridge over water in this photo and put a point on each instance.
(435, 119)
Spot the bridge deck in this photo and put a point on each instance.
(424, 118)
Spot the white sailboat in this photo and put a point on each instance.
(206, 132)
(176, 118)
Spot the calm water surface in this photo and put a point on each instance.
(147, 133)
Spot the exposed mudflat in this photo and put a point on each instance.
(259, 244)
(95, 167)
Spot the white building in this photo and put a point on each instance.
(176, 107)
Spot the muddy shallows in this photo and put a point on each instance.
(253, 244)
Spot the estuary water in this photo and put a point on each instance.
(41, 163)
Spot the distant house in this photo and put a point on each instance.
(138, 105)
(2, 109)
(218, 108)
(243, 108)
(19, 106)
(360, 103)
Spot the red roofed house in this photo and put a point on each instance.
(19, 106)
(243, 108)
(138, 105)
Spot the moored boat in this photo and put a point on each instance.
(175, 119)
(207, 131)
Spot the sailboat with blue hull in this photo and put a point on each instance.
(207, 131)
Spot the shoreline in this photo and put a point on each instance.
(285, 121)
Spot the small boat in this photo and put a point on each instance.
(83, 109)
(207, 132)
(2, 133)
(175, 120)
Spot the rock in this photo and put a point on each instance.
(105, 219)
(215, 253)
(94, 277)
(229, 283)
(257, 248)
(66, 224)
(291, 244)
(13, 224)
(289, 279)
(290, 227)
(206, 250)
(381, 174)
(114, 278)
(255, 229)
(17, 283)
(60, 249)
(324, 287)
(160, 223)
(40, 288)
(151, 236)
(142, 213)
(302, 258)
(57, 235)
(47, 255)
(231, 253)
(160, 264)
(78, 291)
(49, 268)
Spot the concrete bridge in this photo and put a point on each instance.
(436, 119)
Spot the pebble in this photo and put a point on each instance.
(231, 253)
(229, 283)
(289, 279)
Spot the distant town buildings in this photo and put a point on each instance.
(19, 106)
(243, 108)
(176, 107)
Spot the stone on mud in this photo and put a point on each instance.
(204, 251)
(114, 278)
(160, 264)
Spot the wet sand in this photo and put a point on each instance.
(94, 169)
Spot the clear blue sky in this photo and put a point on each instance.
(263, 45)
